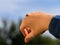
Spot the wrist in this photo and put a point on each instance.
(49, 17)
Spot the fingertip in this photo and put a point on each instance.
(26, 40)
(29, 37)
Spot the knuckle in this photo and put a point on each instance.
(20, 28)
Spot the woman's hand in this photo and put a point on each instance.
(35, 23)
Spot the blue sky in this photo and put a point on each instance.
(14, 9)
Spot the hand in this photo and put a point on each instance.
(37, 22)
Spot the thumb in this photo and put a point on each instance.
(29, 37)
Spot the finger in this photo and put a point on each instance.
(23, 32)
(22, 27)
(29, 37)
(27, 31)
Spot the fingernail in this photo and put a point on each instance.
(27, 40)
(25, 31)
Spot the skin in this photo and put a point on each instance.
(37, 22)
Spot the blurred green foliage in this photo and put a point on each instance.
(13, 36)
